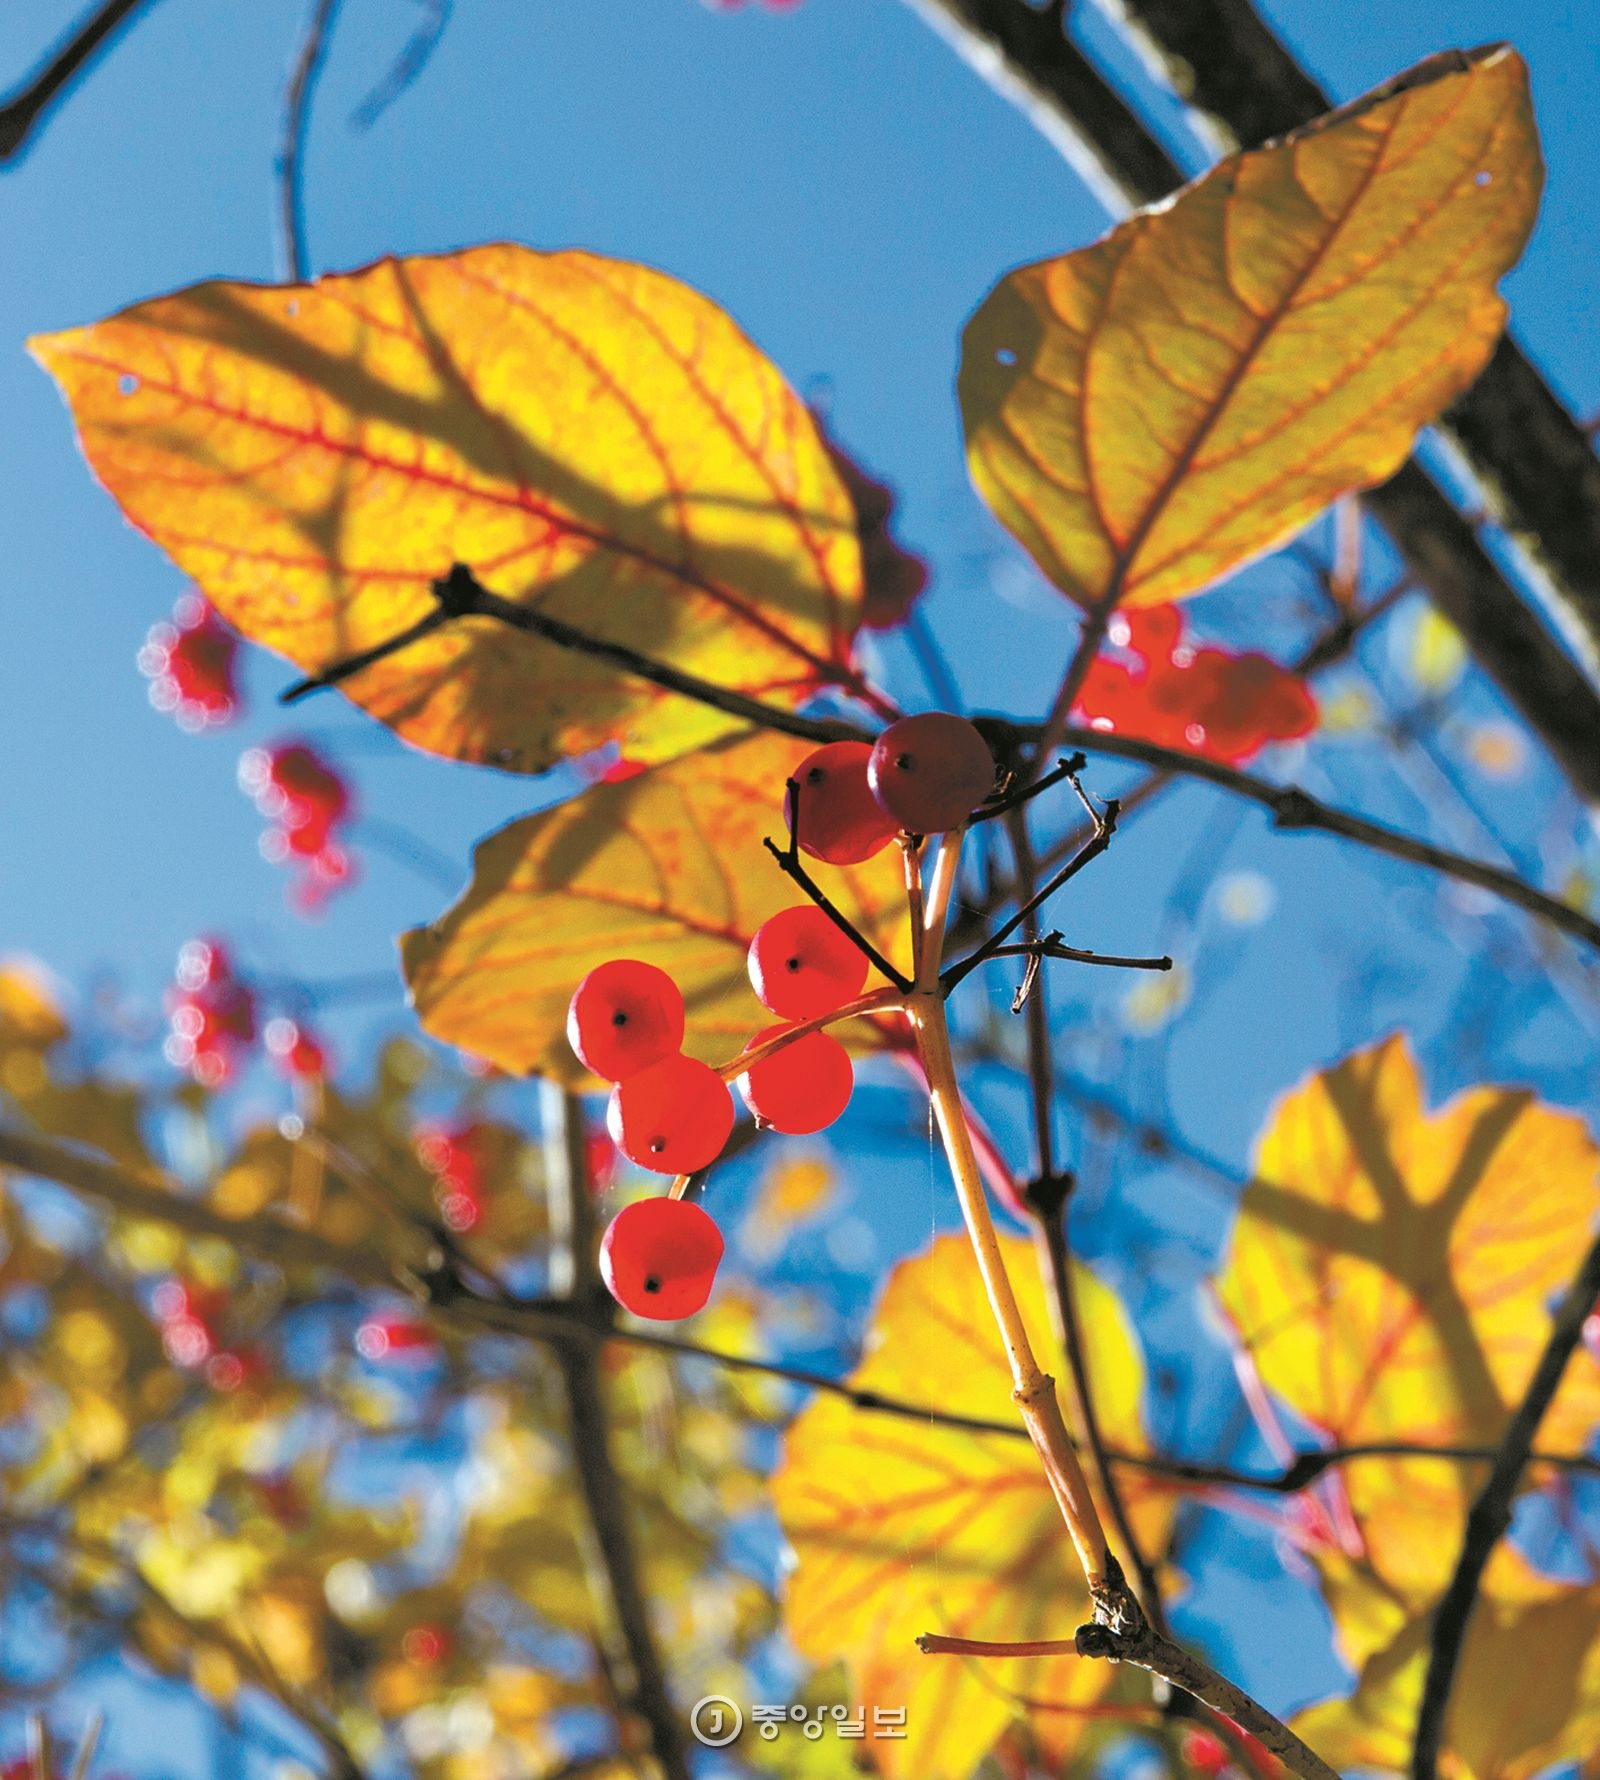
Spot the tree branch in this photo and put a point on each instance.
(1537, 466)
(604, 1493)
(1293, 809)
(303, 77)
(462, 595)
(1015, 47)
(1146, 1648)
(23, 112)
(1490, 1515)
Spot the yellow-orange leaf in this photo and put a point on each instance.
(589, 436)
(1391, 1273)
(667, 867)
(901, 1529)
(1149, 412)
(1527, 1694)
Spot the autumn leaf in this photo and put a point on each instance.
(667, 867)
(901, 1528)
(1526, 1696)
(591, 437)
(1391, 1273)
(1147, 413)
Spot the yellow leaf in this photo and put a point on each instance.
(1526, 1696)
(901, 1528)
(1150, 412)
(30, 1009)
(1391, 1271)
(589, 436)
(667, 867)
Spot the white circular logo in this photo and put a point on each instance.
(715, 1721)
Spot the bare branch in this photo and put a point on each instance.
(1490, 1515)
(604, 1493)
(22, 113)
(302, 86)
(461, 595)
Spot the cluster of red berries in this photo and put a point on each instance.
(190, 664)
(673, 1114)
(211, 1012)
(457, 1158)
(189, 1317)
(1210, 701)
(307, 802)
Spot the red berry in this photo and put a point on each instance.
(801, 965)
(1151, 632)
(295, 1051)
(623, 1017)
(930, 772)
(673, 1117)
(837, 819)
(387, 1337)
(659, 1258)
(190, 665)
(802, 1088)
(307, 801)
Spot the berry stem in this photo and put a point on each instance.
(877, 1001)
(1032, 1389)
(911, 858)
(937, 911)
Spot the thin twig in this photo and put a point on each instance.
(1105, 825)
(1293, 810)
(1051, 946)
(461, 595)
(788, 859)
(303, 77)
(1148, 1649)
(22, 113)
(1490, 1516)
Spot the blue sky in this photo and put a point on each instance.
(849, 191)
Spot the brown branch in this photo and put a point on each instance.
(1293, 809)
(1537, 466)
(604, 1493)
(22, 113)
(1014, 46)
(1146, 1648)
(461, 595)
(1490, 1515)
(303, 78)
(561, 1321)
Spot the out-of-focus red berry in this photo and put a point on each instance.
(390, 1337)
(673, 1117)
(1209, 701)
(458, 1157)
(307, 802)
(624, 1016)
(802, 1088)
(802, 966)
(295, 1051)
(1204, 1753)
(930, 772)
(211, 1014)
(659, 1258)
(831, 807)
(190, 664)
(425, 1645)
(601, 1156)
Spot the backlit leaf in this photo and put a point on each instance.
(1526, 1696)
(1391, 1273)
(1147, 413)
(667, 867)
(901, 1528)
(588, 435)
